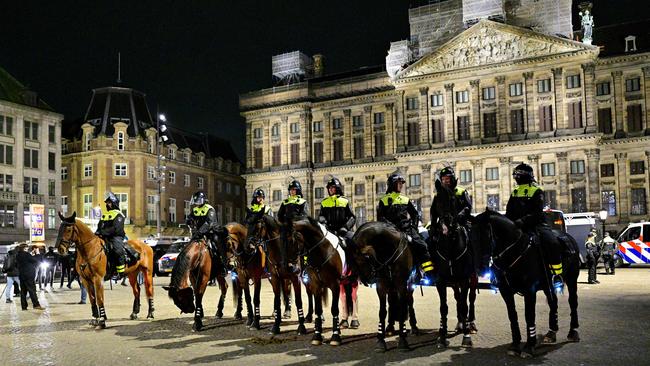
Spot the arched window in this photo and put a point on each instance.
(120, 140)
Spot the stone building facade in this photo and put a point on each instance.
(114, 149)
(491, 97)
(30, 158)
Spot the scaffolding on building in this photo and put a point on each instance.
(291, 67)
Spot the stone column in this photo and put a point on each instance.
(529, 111)
(349, 191)
(622, 200)
(558, 92)
(478, 194)
(646, 94)
(563, 181)
(533, 161)
(505, 179)
(425, 126)
(368, 139)
(593, 179)
(427, 191)
(619, 94)
(327, 137)
(305, 137)
(588, 97)
(371, 210)
(285, 149)
(502, 109)
(475, 129)
(390, 128)
(347, 135)
(250, 148)
(450, 122)
(266, 145)
(400, 124)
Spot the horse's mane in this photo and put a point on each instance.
(271, 222)
(181, 267)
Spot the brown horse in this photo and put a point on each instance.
(324, 267)
(91, 266)
(190, 276)
(249, 267)
(264, 230)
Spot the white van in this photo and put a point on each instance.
(634, 244)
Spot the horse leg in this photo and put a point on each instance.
(277, 284)
(343, 308)
(463, 295)
(336, 331)
(148, 288)
(135, 287)
(256, 303)
(239, 286)
(531, 341)
(301, 316)
(472, 314)
(441, 286)
(402, 306)
(459, 309)
(287, 301)
(509, 299)
(223, 286)
(381, 333)
(355, 306)
(551, 298)
(317, 339)
(390, 326)
(310, 306)
(572, 287)
(249, 305)
(99, 294)
(413, 322)
(199, 290)
(90, 288)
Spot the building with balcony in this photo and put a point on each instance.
(30, 159)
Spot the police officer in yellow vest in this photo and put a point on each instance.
(203, 222)
(397, 209)
(111, 229)
(526, 208)
(258, 205)
(292, 208)
(463, 201)
(335, 212)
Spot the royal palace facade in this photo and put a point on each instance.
(492, 95)
(113, 148)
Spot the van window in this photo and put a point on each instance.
(633, 234)
(646, 233)
(555, 219)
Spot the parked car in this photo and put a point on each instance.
(160, 246)
(634, 244)
(166, 262)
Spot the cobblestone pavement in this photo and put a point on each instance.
(613, 318)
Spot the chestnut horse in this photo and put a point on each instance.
(91, 266)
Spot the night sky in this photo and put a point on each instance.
(193, 58)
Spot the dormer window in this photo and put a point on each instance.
(630, 43)
(186, 156)
(88, 138)
(171, 153)
(120, 140)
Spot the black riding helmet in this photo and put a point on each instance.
(392, 181)
(523, 174)
(110, 197)
(199, 199)
(335, 182)
(449, 172)
(257, 193)
(295, 184)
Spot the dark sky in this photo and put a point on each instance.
(193, 58)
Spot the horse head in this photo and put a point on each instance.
(236, 241)
(183, 298)
(310, 230)
(445, 207)
(68, 233)
(257, 229)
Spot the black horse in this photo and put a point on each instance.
(382, 257)
(519, 268)
(455, 262)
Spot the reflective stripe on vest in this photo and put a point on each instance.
(459, 191)
(201, 211)
(397, 199)
(294, 200)
(257, 208)
(111, 215)
(334, 201)
(525, 190)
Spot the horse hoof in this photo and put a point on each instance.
(238, 316)
(219, 314)
(275, 329)
(335, 340)
(197, 326)
(549, 338)
(102, 324)
(573, 336)
(527, 352)
(403, 345)
(301, 329)
(94, 322)
(134, 316)
(390, 330)
(459, 327)
(513, 350)
(286, 314)
(442, 343)
(317, 340)
(308, 318)
(380, 347)
(150, 316)
(466, 342)
(472, 328)
(415, 330)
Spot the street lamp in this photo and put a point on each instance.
(603, 216)
(161, 138)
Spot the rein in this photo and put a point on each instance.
(393, 258)
(317, 245)
(504, 251)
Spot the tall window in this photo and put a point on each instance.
(88, 205)
(577, 167)
(490, 124)
(120, 140)
(358, 147)
(605, 120)
(380, 187)
(277, 195)
(318, 152)
(517, 121)
(463, 128)
(6, 183)
(186, 180)
(89, 138)
(276, 155)
(606, 170)
(337, 123)
(64, 173)
(633, 84)
(411, 103)
(550, 198)
(259, 157)
(602, 88)
(516, 89)
(637, 167)
(187, 156)
(492, 174)
(88, 170)
(228, 187)
(634, 118)
(573, 81)
(51, 187)
(31, 130)
(51, 134)
(7, 215)
(151, 172)
(257, 133)
(121, 169)
(544, 86)
(380, 148)
(275, 130)
(6, 154)
(294, 127)
(639, 205)
(124, 203)
(608, 199)
(575, 114)
(438, 127)
(360, 213)
(337, 146)
(6, 125)
(199, 182)
(186, 210)
(295, 154)
(30, 185)
(465, 176)
(51, 161)
(436, 100)
(493, 202)
(357, 121)
(172, 210)
(359, 189)
(379, 118)
(31, 158)
(319, 192)
(171, 153)
(489, 93)
(413, 133)
(578, 200)
(219, 186)
(151, 209)
(546, 118)
(172, 177)
(414, 180)
(317, 126)
(548, 169)
(462, 96)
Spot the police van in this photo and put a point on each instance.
(634, 244)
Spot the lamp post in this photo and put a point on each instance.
(603, 216)
(160, 174)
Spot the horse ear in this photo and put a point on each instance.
(438, 185)
(61, 216)
(74, 215)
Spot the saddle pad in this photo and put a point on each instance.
(334, 241)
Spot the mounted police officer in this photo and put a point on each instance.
(335, 212)
(111, 229)
(292, 208)
(397, 209)
(258, 205)
(463, 201)
(526, 208)
(203, 222)
(608, 251)
(592, 258)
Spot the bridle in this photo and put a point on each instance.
(73, 238)
(314, 247)
(397, 253)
